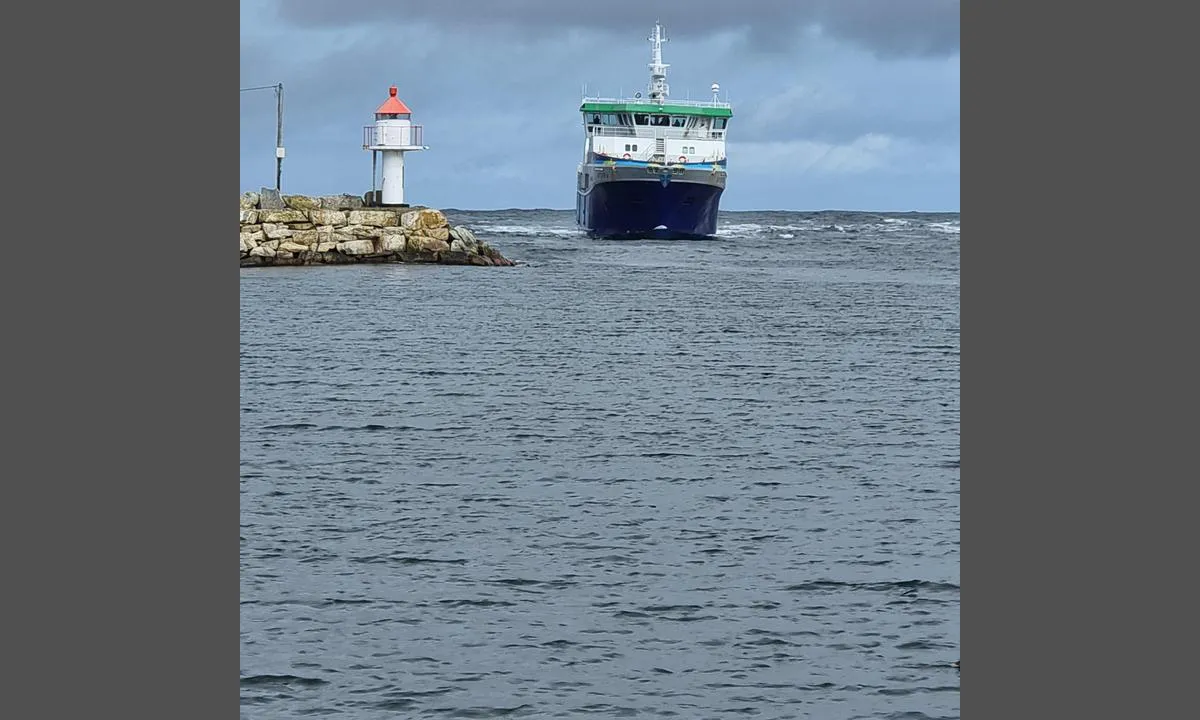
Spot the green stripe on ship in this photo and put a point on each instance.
(652, 108)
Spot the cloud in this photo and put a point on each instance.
(846, 96)
(869, 153)
(888, 28)
(497, 90)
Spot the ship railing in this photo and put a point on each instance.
(655, 103)
(613, 131)
(653, 156)
(650, 132)
(403, 136)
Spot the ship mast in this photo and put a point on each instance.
(658, 69)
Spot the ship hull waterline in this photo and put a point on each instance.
(649, 208)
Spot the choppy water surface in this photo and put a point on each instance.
(625, 479)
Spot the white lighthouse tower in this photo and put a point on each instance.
(392, 135)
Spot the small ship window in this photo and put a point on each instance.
(635, 148)
(641, 119)
(719, 123)
(678, 121)
(662, 120)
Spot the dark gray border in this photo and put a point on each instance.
(1072, 551)
(121, 510)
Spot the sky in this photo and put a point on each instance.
(837, 104)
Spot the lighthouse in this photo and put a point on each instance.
(392, 135)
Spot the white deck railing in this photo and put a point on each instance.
(655, 103)
(651, 132)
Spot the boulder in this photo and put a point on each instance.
(418, 256)
(435, 233)
(420, 243)
(356, 247)
(341, 202)
(364, 231)
(392, 243)
(276, 232)
(305, 237)
(301, 202)
(321, 216)
(374, 218)
(425, 218)
(282, 216)
(249, 201)
(291, 247)
(392, 239)
(248, 217)
(268, 199)
(262, 251)
(465, 239)
(334, 258)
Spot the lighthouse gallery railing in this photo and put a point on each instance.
(408, 135)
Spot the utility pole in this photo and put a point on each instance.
(279, 152)
(278, 134)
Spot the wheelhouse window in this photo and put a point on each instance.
(641, 119)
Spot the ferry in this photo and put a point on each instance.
(652, 167)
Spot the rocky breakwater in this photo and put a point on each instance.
(303, 230)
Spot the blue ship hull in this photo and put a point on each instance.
(649, 208)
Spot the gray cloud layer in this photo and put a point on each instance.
(888, 28)
(479, 79)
